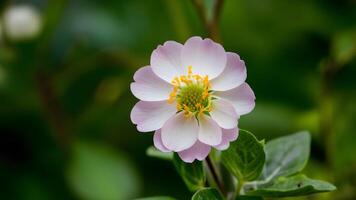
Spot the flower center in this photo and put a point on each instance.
(191, 93)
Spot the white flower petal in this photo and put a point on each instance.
(224, 114)
(205, 56)
(233, 75)
(209, 130)
(228, 135)
(166, 60)
(180, 132)
(157, 141)
(198, 151)
(149, 87)
(150, 116)
(242, 98)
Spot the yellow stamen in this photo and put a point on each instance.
(206, 81)
(190, 71)
(173, 95)
(205, 94)
(193, 102)
(175, 82)
(198, 105)
(186, 110)
(197, 77)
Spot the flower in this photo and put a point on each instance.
(22, 22)
(192, 96)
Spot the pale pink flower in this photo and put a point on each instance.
(192, 96)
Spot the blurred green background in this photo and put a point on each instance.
(65, 98)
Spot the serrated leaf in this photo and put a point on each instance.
(153, 152)
(245, 157)
(156, 198)
(286, 155)
(297, 185)
(192, 173)
(208, 194)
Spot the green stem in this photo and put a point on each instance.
(329, 70)
(211, 24)
(214, 174)
(44, 78)
(52, 108)
(240, 183)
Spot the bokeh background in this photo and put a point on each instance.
(66, 66)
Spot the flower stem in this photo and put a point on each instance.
(215, 174)
(240, 183)
(329, 69)
(53, 109)
(211, 24)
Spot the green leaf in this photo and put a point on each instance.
(245, 157)
(244, 197)
(297, 185)
(192, 173)
(286, 155)
(156, 198)
(207, 194)
(98, 172)
(153, 152)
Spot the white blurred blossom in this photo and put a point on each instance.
(21, 22)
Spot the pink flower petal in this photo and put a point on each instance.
(149, 87)
(233, 75)
(198, 151)
(224, 114)
(166, 60)
(205, 56)
(150, 116)
(228, 135)
(180, 132)
(242, 98)
(209, 130)
(157, 141)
